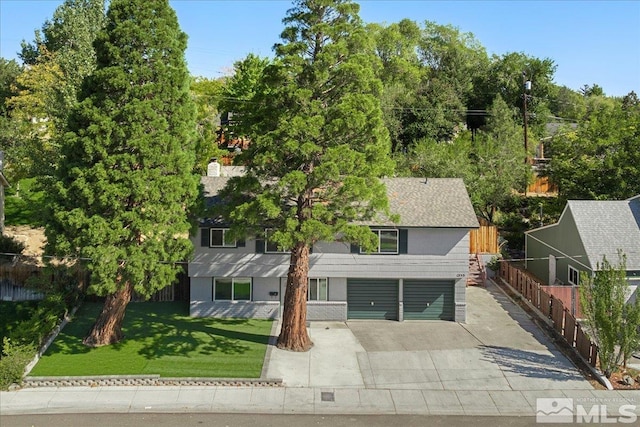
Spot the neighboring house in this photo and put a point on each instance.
(418, 272)
(586, 230)
(3, 183)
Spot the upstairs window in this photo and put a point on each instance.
(271, 246)
(387, 242)
(219, 239)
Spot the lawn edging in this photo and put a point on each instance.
(52, 336)
(145, 380)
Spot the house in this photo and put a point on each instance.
(3, 183)
(586, 230)
(418, 271)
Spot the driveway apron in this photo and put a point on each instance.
(499, 348)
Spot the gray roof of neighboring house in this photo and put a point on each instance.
(434, 202)
(606, 226)
(3, 180)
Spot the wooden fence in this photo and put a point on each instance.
(484, 240)
(13, 279)
(178, 291)
(542, 185)
(14, 284)
(570, 297)
(551, 307)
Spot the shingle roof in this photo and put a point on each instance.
(605, 226)
(434, 202)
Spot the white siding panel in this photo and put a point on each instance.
(201, 289)
(263, 285)
(216, 264)
(438, 241)
(338, 289)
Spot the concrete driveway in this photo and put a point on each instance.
(499, 348)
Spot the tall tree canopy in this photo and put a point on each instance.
(126, 176)
(599, 160)
(491, 165)
(207, 95)
(319, 145)
(56, 63)
(10, 130)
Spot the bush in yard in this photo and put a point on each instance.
(12, 313)
(44, 319)
(13, 360)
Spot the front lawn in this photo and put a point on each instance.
(161, 338)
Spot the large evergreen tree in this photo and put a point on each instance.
(126, 177)
(319, 145)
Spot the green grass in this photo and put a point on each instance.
(25, 208)
(160, 338)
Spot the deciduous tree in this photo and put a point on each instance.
(614, 324)
(126, 176)
(207, 95)
(56, 63)
(599, 159)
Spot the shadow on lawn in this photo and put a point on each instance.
(165, 329)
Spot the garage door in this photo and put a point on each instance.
(428, 300)
(372, 299)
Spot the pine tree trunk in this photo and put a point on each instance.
(108, 326)
(294, 335)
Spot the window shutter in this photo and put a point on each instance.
(260, 246)
(355, 249)
(403, 240)
(205, 237)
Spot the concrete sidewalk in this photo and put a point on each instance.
(298, 400)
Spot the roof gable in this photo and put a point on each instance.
(608, 226)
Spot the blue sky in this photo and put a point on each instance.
(590, 41)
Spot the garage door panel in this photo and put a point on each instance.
(428, 300)
(372, 299)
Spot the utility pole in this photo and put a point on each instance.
(526, 87)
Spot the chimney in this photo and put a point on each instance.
(213, 168)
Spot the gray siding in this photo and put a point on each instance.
(433, 254)
(561, 240)
(241, 309)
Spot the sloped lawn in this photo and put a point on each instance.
(25, 208)
(160, 338)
